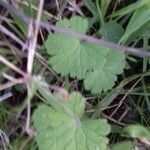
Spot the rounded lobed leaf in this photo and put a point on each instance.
(58, 130)
(97, 65)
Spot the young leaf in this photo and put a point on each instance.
(98, 65)
(58, 130)
(112, 31)
(123, 146)
(137, 131)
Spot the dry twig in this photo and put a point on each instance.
(31, 54)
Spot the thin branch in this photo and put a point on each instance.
(10, 84)
(31, 51)
(31, 54)
(48, 26)
(12, 66)
(120, 103)
(10, 78)
(24, 46)
(5, 96)
(10, 34)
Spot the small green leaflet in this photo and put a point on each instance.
(112, 31)
(97, 65)
(137, 131)
(58, 130)
(123, 146)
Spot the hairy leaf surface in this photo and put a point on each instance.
(58, 129)
(97, 65)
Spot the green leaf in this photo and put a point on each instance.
(2, 67)
(112, 31)
(30, 10)
(138, 24)
(123, 146)
(92, 7)
(97, 65)
(22, 26)
(104, 5)
(128, 9)
(104, 78)
(58, 130)
(137, 131)
(76, 103)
